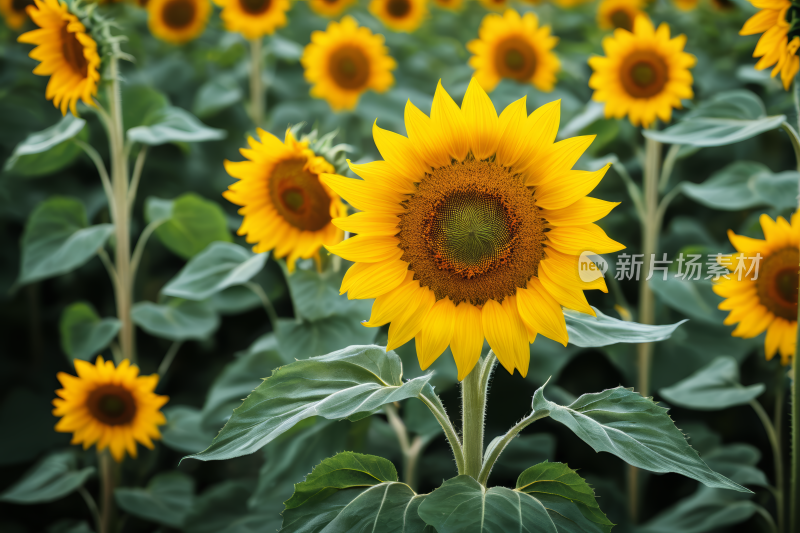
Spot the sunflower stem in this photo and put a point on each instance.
(794, 494)
(772, 436)
(473, 403)
(108, 481)
(256, 82)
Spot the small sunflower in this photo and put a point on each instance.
(330, 8)
(779, 22)
(345, 61)
(471, 228)
(14, 12)
(685, 5)
(400, 15)
(286, 208)
(254, 18)
(644, 74)
(515, 47)
(178, 21)
(65, 52)
(112, 407)
(452, 5)
(612, 14)
(768, 302)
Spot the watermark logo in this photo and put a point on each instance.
(591, 267)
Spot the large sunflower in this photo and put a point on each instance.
(644, 74)
(780, 25)
(515, 47)
(178, 21)
(330, 8)
(400, 15)
(612, 14)
(254, 18)
(286, 208)
(345, 61)
(471, 228)
(14, 13)
(765, 299)
(65, 52)
(112, 407)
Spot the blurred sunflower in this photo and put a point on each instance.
(400, 15)
(112, 407)
(330, 8)
(644, 74)
(723, 5)
(471, 228)
(452, 5)
(778, 45)
(515, 47)
(495, 5)
(568, 4)
(14, 13)
(177, 21)
(254, 18)
(768, 302)
(65, 52)
(612, 14)
(345, 61)
(286, 208)
(685, 5)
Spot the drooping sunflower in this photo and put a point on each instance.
(112, 407)
(254, 18)
(14, 13)
(471, 228)
(330, 8)
(178, 21)
(644, 73)
(400, 15)
(766, 298)
(286, 208)
(65, 52)
(779, 23)
(612, 14)
(452, 5)
(515, 47)
(345, 61)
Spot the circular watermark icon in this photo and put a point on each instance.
(591, 266)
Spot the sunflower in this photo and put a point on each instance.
(400, 15)
(471, 228)
(254, 18)
(112, 407)
(644, 74)
(14, 12)
(515, 47)
(345, 61)
(568, 4)
(452, 5)
(685, 5)
(330, 8)
(286, 208)
(65, 52)
(778, 45)
(613, 14)
(766, 298)
(177, 21)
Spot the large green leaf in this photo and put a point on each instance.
(715, 386)
(316, 296)
(345, 384)
(173, 124)
(177, 319)
(50, 479)
(739, 462)
(141, 104)
(300, 340)
(635, 429)
(48, 150)
(217, 94)
(193, 224)
(166, 500)
(587, 331)
(220, 508)
(706, 510)
(693, 298)
(57, 240)
(83, 333)
(184, 431)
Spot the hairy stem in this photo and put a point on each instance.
(775, 444)
(494, 451)
(473, 410)
(435, 405)
(256, 82)
(108, 475)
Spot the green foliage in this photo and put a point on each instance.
(47, 151)
(184, 431)
(193, 224)
(166, 500)
(83, 333)
(177, 319)
(693, 298)
(52, 478)
(172, 125)
(713, 387)
(587, 331)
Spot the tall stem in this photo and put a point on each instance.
(108, 511)
(256, 83)
(775, 443)
(473, 403)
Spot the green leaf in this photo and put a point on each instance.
(219, 508)
(157, 209)
(176, 320)
(217, 94)
(344, 384)
(219, 266)
(57, 240)
(727, 117)
(83, 333)
(50, 479)
(166, 500)
(737, 461)
(706, 510)
(194, 223)
(141, 104)
(316, 296)
(300, 340)
(715, 386)
(522, 451)
(636, 430)
(173, 124)
(587, 331)
(70, 526)
(47, 151)
(693, 298)
(184, 430)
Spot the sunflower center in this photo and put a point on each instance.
(179, 13)
(644, 74)
(777, 282)
(515, 58)
(472, 232)
(398, 8)
(298, 196)
(621, 19)
(72, 49)
(20, 5)
(112, 405)
(349, 67)
(255, 7)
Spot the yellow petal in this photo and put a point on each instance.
(512, 127)
(408, 325)
(506, 334)
(449, 124)
(362, 196)
(437, 331)
(369, 223)
(467, 340)
(420, 131)
(574, 240)
(565, 295)
(370, 280)
(541, 312)
(399, 151)
(392, 304)
(586, 210)
(365, 248)
(481, 119)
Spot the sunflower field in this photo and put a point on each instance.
(399, 266)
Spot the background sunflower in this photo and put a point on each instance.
(330, 8)
(612, 14)
(400, 15)
(178, 21)
(254, 18)
(14, 13)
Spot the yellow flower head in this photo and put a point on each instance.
(286, 208)
(330, 8)
(612, 14)
(686, 5)
(768, 302)
(471, 228)
(400, 15)
(254, 18)
(515, 47)
(178, 21)
(345, 61)
(112, 407)
(14, 12)
(452, 5)
(780, 40)
(644, 73)
(65, 52)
